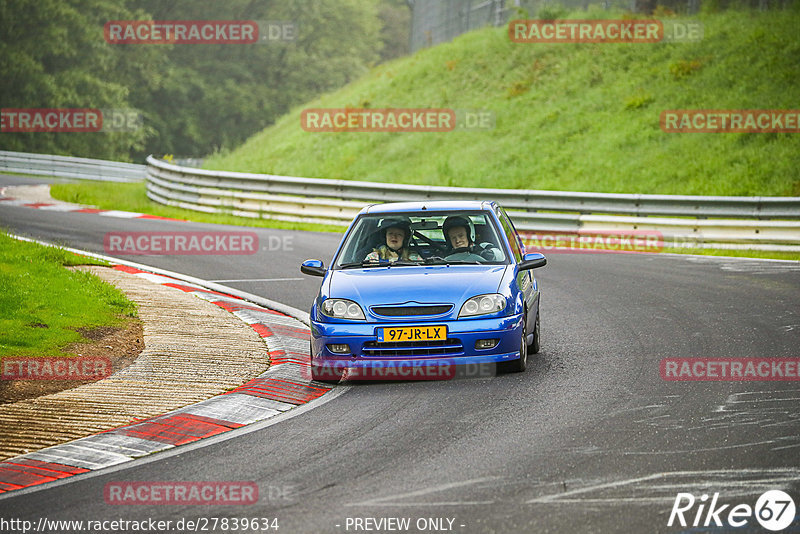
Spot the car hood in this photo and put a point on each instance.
(437, 284)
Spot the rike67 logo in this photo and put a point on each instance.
(774, 510)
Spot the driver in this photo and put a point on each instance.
(396, 234)
(458, 234)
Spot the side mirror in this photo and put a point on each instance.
(313, 267)
(532, 261)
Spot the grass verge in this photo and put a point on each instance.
(42, 304)
(133, 197)
(758, 254)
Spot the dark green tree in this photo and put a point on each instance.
(195, 99)
(53, 55)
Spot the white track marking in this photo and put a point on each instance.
(381, 501)
(257, 280)
(736, 482)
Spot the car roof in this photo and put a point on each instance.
(432, 205)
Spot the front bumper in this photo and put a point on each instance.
(366, 352)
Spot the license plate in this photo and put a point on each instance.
(412, 333)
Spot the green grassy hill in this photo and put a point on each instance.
(579, 117)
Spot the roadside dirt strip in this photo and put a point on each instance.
(194, 349)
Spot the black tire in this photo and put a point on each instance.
(536, 346)
(520, 364)
(320, 375)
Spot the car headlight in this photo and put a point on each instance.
(482, 305)
(342, 309)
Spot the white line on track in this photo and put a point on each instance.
(382, 501)
(256, 280)
(659, 487)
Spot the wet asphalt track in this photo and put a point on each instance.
(589, 439)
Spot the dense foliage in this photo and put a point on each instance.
(195, 99)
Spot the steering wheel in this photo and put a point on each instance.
(438, 248)
(471, 255)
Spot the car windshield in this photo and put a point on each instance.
(418, 238)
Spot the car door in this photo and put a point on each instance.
(525, 280)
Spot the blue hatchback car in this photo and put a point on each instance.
(419, 285)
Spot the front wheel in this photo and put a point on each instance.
(534, 347)
(520, 364)
(325, 374)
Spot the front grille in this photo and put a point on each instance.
(404, 311)
(409, 349)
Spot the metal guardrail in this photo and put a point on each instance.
(768, 223)
(511, 199)
(70, 167)
(337, 202)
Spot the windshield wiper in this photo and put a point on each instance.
(364, 263)
(380, 263)
(436, 260)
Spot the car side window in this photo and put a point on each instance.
(511, 235)
(358, 246)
